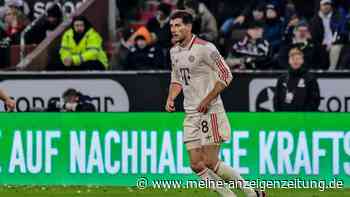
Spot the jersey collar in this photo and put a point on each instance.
(189, 45)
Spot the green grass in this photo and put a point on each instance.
(22, 191)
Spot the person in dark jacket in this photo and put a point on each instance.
(252, 52)
(300, 37)
(273, 27)
(328, 29)
(298, 90)
(45, 25)
(159, 26)
(141, 56)
(75, 101)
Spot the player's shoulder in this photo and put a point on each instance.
(203, 44)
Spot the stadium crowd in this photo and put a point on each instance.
(251, 34)
(15, 17)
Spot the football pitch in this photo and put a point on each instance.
(22, 191)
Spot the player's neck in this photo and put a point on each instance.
(186, 41)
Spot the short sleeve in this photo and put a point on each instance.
(213, 59)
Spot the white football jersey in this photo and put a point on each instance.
(197, 68)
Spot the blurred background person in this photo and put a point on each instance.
(81, 47)
(14, 24)
(300, 37)
(204, 24)
(273, 28)
(144, 57)
(328, 29)
(159, 28)
(47, 24)
(252, 52)
(75, 101)
(298, 90)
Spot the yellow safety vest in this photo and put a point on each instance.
(88, 49)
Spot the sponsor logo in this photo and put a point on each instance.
(107, 95)
(261, 93)
(68, 7)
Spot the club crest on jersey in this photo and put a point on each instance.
(191, 58)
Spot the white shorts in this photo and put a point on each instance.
(206, 129)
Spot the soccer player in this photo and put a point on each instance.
(10, 103)
(200, 72)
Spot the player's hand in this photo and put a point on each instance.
(10, 104)
(170, 107)
(203, 106)
(67, 61)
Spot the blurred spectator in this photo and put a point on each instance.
(160, 30)
(273, 28)
(204, 25)
(234, 29)
(298, 90)
(142, 57)
(47, 24)
(22, 5)
(159, 26)
(257, 14)
(328, 28)
(301, 38)
(252, 52)
(81, 47)
(289, 11)
(74, 101)
(14, 23)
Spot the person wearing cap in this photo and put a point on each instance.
(252, 52)
(297, 90)
(328, 28)
(301, 38)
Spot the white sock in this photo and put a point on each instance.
(211, 177)
(227, 173)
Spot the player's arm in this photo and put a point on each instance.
(214, 60)
(174, 90)
(10, 103)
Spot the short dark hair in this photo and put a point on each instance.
(186, 16)
(70, 92)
